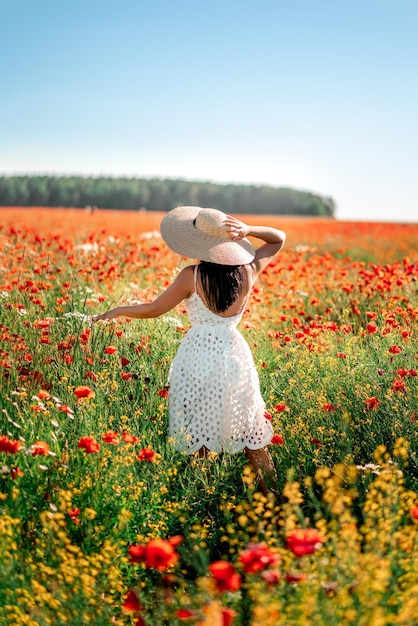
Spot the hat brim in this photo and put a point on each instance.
(181, 235)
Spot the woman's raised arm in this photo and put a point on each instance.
(274, 240)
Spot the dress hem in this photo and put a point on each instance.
(218, 450)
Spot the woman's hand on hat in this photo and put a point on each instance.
(237, 230)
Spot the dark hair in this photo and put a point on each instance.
(222, 284)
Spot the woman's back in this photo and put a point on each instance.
(238, 286)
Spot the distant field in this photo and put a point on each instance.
(358, 239)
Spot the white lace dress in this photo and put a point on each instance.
(214, 397)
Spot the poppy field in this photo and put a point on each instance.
(103, 522)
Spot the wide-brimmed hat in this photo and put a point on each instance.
(201, 234)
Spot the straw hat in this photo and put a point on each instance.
(201, 234)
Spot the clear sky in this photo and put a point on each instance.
(320, 95)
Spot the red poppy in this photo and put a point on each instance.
(371, 328)
(85, 336)
(124, 361)
(16, 472)
(176, 540)
(43, 323)
(185, 614)
(64, 408)
(128, 438)
(371, 403)
(37, 408)
(91, 376)
(228, 616)
(146, 454)
(257, 557)
(277, 440)
(328, 408)
(136, 553)
(280, 407)
(9, 446)
(131, 602)
(163, 392)
(225, 576)
(395, 349)
(126, 376)
(44, 395)
(110, 350)
(74, 513)
(414, 511)
(84, 392)
(111, 437)
(341, 355)
(304, 541)
(158, 554)
(316, 441)
(39, 448)
(89, 445)
(268, 415)
(399, 385)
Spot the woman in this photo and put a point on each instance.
(214, 399)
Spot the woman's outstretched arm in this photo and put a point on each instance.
(180, 289)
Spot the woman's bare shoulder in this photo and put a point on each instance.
(187, 277)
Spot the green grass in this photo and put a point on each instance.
(346, 470)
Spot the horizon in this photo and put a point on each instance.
(407, 221)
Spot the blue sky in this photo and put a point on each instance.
(319, 95)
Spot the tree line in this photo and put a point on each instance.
(154, 194)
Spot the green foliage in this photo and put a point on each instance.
(159, 195)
